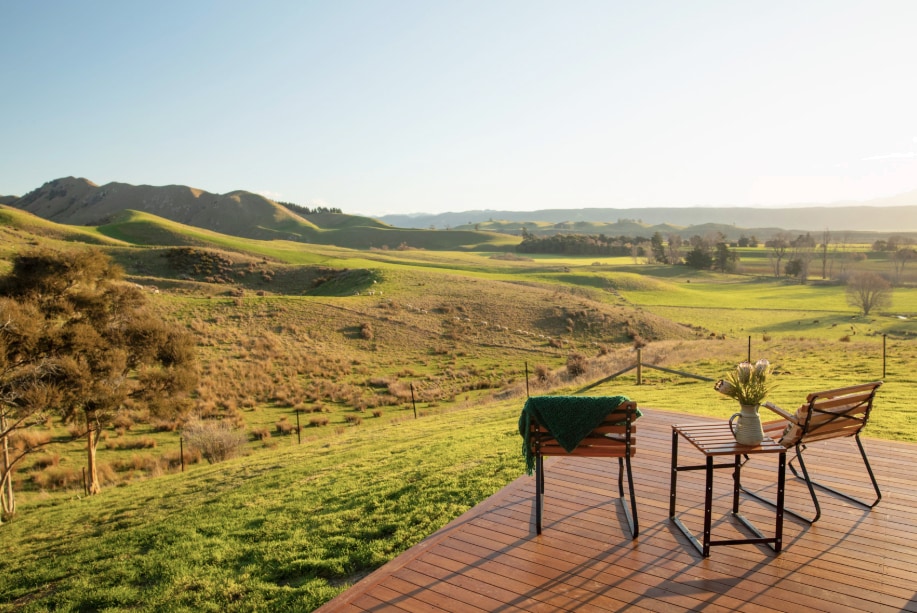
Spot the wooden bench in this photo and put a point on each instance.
(841, 412)
(612, 438)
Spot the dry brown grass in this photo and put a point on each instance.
(58, 477)
(133, 442)
(27, 440)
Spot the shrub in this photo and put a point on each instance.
(400, 390)
(377, 413)
(353, 420)
(366, 331)
(122, 422)
(318, 421)
(542, 373)
(261, 434)
(216, 440)
(576, 364)
(284, 427)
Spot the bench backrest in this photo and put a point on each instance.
(832, 413)
(613, 438)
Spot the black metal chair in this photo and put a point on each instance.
(613, 438)
(842, 412)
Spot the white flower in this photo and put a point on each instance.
(748, 383)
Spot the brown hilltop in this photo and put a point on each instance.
(78, 201)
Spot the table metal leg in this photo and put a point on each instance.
(708, 506)
(674, 477)
(781, 479)
(736, 484)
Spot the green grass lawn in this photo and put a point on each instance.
(280, 530)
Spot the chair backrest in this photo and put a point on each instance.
(613, 438)
(831, 414)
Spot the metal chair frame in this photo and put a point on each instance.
(596, 444)
(859, 400)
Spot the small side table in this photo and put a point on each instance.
(717, 440)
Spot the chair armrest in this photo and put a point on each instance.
(781, 412)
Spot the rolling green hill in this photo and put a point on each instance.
(79, 202)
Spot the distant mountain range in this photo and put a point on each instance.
(78, 201)
(895, 214)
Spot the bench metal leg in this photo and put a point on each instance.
(811, 484)
(630, 514)
(809, 481)
(539, 491)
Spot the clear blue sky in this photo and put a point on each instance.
(428, 106)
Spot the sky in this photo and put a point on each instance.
(426, 106)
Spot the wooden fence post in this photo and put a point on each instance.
(413, 403)
(639, 367)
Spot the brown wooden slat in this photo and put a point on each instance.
(490, 559)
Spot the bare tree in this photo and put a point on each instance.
(673, 247)
(803, 252)
(868, 291)
(825, 242)
(900, 258)
(779, 245)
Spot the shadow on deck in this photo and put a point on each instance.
(490, 558)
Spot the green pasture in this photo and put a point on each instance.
(287, 528)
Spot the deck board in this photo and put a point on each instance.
(490, 558)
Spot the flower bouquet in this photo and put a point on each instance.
(748, 383)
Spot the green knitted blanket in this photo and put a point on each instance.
(568, 418)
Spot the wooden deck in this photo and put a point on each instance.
(490, 558)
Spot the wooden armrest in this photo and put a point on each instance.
(781, 412)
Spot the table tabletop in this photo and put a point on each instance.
(717, 439)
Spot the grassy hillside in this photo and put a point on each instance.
(405, 370)
(80, 202)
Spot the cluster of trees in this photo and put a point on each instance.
(80, 345)
(902, 252)
(304, 210)
(581, 244)
(794, 257)
(697, 252)
(701, 253)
